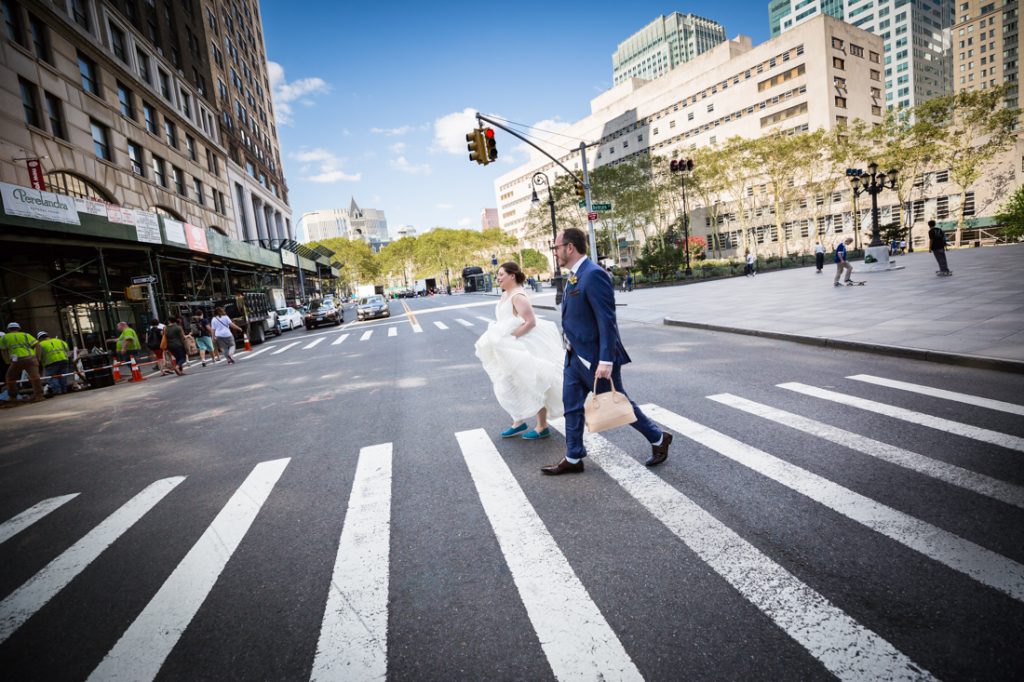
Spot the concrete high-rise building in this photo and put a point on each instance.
(368, 224)
(918, 58)
(987, 45)
(488, 218)
(664, 44)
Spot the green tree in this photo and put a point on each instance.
(706, 184)
(1011, 216)
(532, 261)
(907, 146)
(398, 259)
(356, 257)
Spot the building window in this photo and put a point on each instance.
(135, 158)
(100, 140)
(165, 84)
(80, 13)
(186, 103)
(126, 101)
(159, 171)
(171, 133)
(876, 110)
(190, 147)
(30, 102)
(841, 102)
(179, 180)
(55, 112)
(149, 113)
(117, 43)
(143, 62)
(876, 75)
(40, 38)
(12, 21)
(874, 57)
(856, 50)
(197, 185)
(87, 69)
(838, 63)
(837, 43)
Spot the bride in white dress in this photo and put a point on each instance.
(523, 357)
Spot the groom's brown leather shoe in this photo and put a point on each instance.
(563, 467)
(659, 453)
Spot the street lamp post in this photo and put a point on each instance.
(872, 182)
(541, 179)
(684, 167)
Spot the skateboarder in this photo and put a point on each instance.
(937, 245)
(841, 263)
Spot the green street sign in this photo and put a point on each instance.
(596, 207)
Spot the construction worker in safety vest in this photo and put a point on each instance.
(127, 343)
(19, 349)
(53, 356)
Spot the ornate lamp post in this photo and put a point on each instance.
(872, 182)
(541, 179)
(684, 167)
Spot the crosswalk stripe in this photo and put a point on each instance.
(313, 343)
(255, 353)
(957, 428)
(392, 331)
(285, 347)
(16, 524)
(144, 646)
(486, 320)
(949, 549)
(353, 636)
(367, 334)
(940, 393)
(416, 327)
(943, 471)
(464, 323)
(338, 340)
(845, 647)
(19, 606)
(440, 325)
(578, 642)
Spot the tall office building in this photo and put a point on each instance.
(368, 224)
(918, 58)
(664, 44)
(987, 45)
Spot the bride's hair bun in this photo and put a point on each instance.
(512, 268)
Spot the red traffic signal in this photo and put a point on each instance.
(491, 146)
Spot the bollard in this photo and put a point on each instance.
(136, 372)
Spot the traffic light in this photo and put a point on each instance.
(136, 292)
(476, 147)
(492, 149)
(680, 165)
(581, 191)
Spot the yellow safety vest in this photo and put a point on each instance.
(54, 350)
(19, 345)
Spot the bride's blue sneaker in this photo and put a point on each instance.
(513, 430)
(534, 434)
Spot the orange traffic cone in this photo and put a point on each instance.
(248, 346)
(136, 372)
(117, 371)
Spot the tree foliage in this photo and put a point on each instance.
(1011, 216)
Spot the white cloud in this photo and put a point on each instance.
(392, 132)
(398, 147)
(444, 207)
(328, 166)
(284, 93)
(402, 164)
(450, 131)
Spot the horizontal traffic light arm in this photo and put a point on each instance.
(481, 117)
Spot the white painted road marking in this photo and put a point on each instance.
(144, 646)
(949, 549)
(353, 636)
(943, 471)
(255, 353)
(367, 334)
(845, 647)
(338, 340)
(984, 435)
(578, 642)
(313, 343)
(940, 393)
(19, 606)
(285, 347)
(486, 320)
(440, 325)
(16, 524)
(464, 323)
(416, 328)
(392, 331)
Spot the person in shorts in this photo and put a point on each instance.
(221, 326)
(203, 335)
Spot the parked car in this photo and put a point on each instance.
(288, 318)
(372, 306)
(321, 313)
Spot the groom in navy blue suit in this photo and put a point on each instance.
(593, 349)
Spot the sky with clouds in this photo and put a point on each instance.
(373, 100)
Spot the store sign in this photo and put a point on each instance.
(174, 231)
(91, 207)
(120, 214)
(34, 203)
(147, 227)
(35, 174)
(196, 238)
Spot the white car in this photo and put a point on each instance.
(288, 318)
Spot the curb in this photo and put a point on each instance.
(978, 362)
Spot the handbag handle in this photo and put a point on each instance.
(615, 394)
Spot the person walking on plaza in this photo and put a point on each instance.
(819, 256)
(128, 345)
(841, 262)
(53, 356)
(937, 245)
(593, 351)
(629, 281)
(748, 269)
(20, 352)
(174, 343)
(222, 326)
(202, 335)
(520, 354)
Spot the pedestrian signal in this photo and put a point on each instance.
(476, 147)
(136, 292)
(581, 191)
(491, 145)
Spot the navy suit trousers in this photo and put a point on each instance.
(577, 382)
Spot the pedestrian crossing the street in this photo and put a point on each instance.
(570, 620)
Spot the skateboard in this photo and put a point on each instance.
(851, 283)
(940, 273)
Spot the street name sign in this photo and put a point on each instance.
(596, 207)
(144, 279)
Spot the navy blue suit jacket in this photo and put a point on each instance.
(588, 316)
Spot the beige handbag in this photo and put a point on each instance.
(607, 410)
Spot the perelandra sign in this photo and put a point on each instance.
(34, 203)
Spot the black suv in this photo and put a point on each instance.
(321, 313)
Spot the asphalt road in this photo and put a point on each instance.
(346, 510)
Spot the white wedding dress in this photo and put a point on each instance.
(526, 372)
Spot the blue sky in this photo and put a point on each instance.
(373, 99)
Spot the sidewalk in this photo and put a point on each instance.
(974, 318)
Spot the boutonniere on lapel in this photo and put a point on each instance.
(572, 280)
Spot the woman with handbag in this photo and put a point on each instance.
(174, 343)
(521, 354)
(222, 326)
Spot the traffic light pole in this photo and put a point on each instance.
(590, 212)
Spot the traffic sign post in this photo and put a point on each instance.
(592, 216)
